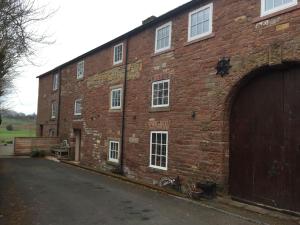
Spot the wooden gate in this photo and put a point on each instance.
(265, 140)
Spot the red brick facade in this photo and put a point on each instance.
(197, 119)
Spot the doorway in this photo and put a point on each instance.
(265, 140)
(77, 134)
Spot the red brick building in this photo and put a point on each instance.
(208, 92)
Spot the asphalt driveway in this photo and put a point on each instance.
(41, 192)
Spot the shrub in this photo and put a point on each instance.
(35, 154)
(9, 127)
(9, 142)
(42, 153)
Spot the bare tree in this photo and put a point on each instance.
(17, 38)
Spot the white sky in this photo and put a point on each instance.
(77, 27)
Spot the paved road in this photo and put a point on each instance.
(41, 192)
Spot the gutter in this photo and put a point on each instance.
(123, 111)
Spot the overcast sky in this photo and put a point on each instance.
(77, 27)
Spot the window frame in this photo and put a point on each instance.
(152, 96)
(121, 60)
(210, 6)
(167, 150)
(109, 151)
(54, 110)
(265, 12)
(55, 82)
(79, 75)
(75, 111)
(111, 98)
(170, 37)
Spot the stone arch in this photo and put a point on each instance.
(242, 76)
(284, 69)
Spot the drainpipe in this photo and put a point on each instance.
(58, 105)
(123, 112)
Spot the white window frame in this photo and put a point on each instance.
(170, 37)
(80, 70)
(75, 111)
(55, 81)
(111, 98)
(53, 110)
(210, 6)
(115, 48)
(158, 82)
(265, 12)
(109, 151)
(167, 147)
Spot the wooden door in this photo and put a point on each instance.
(265, 138)
(77, 145)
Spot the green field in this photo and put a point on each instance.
(21, 128)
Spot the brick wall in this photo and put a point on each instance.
(46, 125)
(199, 146)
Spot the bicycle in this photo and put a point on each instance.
(173, 183)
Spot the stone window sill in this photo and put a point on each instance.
(212, 35)
(115, 110)
(80, 79)
(118, 65)
(160, 109)
(163, 52)
(112, 163)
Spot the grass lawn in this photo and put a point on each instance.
(21, 128)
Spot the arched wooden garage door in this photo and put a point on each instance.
(265, 140)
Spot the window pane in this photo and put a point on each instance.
(163, 150)
(164, 138)
(157, 161)
(194, 19)
(166, 85)
(153, 160)
(194, 31)
(206, 26)
(200, 22)
(163, 162)
(154, 138)
(160, 101)
(161, 93)
(161, 86)
(118, 53)
(159, 138)
(277, 3)
(166, 93)
(153, 149)
(158, 149)
(165, 101)
(162, 37)
(271, 4)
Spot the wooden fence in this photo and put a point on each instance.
(24, 146)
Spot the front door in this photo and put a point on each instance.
(77, 145)
(265, 140)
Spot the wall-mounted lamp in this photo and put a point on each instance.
(223, 66)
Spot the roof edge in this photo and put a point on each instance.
(136, 30)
